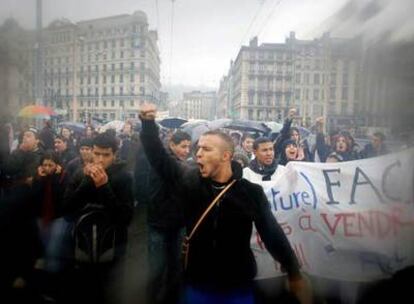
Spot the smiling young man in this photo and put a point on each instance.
(221, 265)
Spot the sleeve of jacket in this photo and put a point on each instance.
(161, 161)
(321, 147)
(119, 198)
(274, 238)
(284, 134)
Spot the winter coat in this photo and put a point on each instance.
(220, 256)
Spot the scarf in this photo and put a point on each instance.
(265, 171)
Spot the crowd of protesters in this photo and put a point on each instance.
(53, 183)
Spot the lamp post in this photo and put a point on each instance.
(74, 84)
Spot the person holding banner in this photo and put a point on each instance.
(220, 208)
(264, 166)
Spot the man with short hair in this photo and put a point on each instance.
(27, 154)
(165, 228)
(84, 158)
(377, 146)
(106, 186)
(221, 265)
(264, 166)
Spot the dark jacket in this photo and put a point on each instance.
(220, 256)
(57, 185)
(164, 207)
(369, 151)
(23, 161)
(47, 136)
(116, 196)
(73, 166)
(66, 156)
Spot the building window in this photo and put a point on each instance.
(81, 103)
(96, 91)
(316, 79)
(333, 78)
(332, 93)
(113, 66)
(104, 91)
(121, 91)
(96, 103)
(344, 93)
(89, 103)
(122, 54)
(104, 79)
(112, 78)
(112, 116)
(121, 103)
(104, 103)
(316, 94)
(113, 103)
(131, 103)
(297, 94)
(121, 66)
(112, 91)
(121, 78)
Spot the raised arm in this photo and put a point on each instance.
(160, 160)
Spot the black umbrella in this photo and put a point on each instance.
(76, 127)
(240, 125)
(172, 123)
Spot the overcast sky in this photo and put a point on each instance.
(207, 34)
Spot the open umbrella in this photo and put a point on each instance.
(240, 125)
(76, 127)
(172, 122)
(117, 125)
(36, 111)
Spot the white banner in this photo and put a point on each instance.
(350, 221)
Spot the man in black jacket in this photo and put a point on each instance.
(221, 265)
(107, 186)
(166, 229)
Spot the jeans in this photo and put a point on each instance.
(165, 270)
(57, 241)
(194, 295)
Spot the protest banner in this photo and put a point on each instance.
(350, 221)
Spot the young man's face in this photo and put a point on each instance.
(86, 153)
(265, 153)
(30, 141)
(182, 149)
(49, 166)
(247, 144)
(104, 157)
(60, 145)
(211, 155)
(376, 142)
